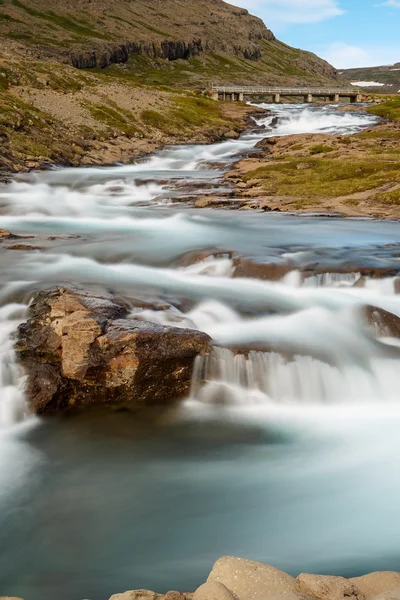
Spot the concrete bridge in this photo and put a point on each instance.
(242, 93)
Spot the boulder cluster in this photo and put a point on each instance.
(240, 579)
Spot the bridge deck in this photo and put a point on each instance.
(289, 91)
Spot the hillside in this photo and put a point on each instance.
(103, 80)
(389, 75)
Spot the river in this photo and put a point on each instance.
(294, 463)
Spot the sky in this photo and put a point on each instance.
(347, 33)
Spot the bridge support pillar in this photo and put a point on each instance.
(277, 98)
(241, 97)
(215, 96)
(358, 98)
(354, 99)
(308, 98)
(337, 99)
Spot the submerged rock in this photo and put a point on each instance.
(80, 349)
(251, 580)
(384, 324)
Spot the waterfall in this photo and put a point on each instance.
(13, 407)
(268, 377)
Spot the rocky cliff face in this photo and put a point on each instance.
(104, 55)
(100, 33)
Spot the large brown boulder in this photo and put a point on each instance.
(80, 348)
(251, 580)
(213, 590)
(377, 583)
(325, 587)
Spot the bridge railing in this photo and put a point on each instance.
(284, 90)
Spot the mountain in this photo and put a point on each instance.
(388, 75)
(212, 38)
(97, 81)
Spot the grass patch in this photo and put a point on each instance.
(154, 119)
(321, 149)
(389, 198)
(63, 21)
(114, 118)
(325, 178)
(387, 110)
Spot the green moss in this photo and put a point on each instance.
(152, 118)
(63, 21)
(389, 198)
(113, 118)
(324, 178)
(321, 149)
(387, 110)
(5, 18)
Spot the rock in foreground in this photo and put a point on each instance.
(80, 349)
(240, 579)
(250, 580)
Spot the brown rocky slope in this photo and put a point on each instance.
(99, 82)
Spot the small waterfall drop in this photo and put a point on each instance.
(13, 406)
(271, 378)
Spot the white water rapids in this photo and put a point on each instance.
(131, 233)
(274, 452)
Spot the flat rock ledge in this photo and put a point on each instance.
(240, 579)
(80, 348)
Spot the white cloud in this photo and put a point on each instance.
(292, 11)
(391, 3)
(347, 56)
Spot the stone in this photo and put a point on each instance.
(137, 595)
(5, 234)
(251, 580)
(378, 583)
(248, 268)
(213, 590)
(392, 595)
(326, 587)
(80, 348)
(174, 595)
(384, 324)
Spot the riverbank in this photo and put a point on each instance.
(52, 114)
(355, 175)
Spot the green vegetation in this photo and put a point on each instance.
(324, 177)
(71, 24)
(389, 198)
(321, 149)
(114, 118)
(152, 118)
(387, 110)
(187, 113)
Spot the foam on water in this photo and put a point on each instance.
(12, 401)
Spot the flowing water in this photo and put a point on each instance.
(288, 453)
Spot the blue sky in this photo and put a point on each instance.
(347, 33)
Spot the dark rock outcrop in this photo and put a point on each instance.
(104, 55)
(80, 349)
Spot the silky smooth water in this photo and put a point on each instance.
(288, 455)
